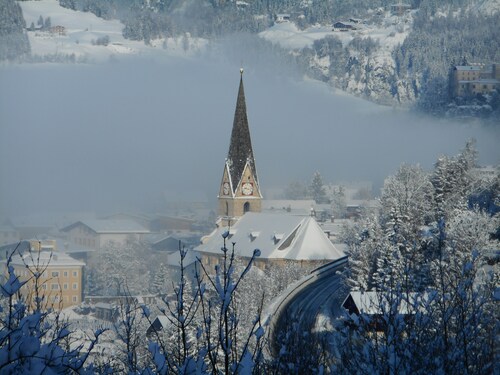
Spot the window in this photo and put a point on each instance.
(75, 299)
(65, 273)
(65, 286)
(75, 285)
(44, 286)
(246, 207)
(55, 273)
(54, 286)
(75, 273)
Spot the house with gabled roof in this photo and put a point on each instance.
(98, 233)
(376, 304)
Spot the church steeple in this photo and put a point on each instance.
(239, 191)
(240, 148)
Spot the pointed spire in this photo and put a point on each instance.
(240, 149)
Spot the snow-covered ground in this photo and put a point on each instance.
(82, 29)
(392, 32)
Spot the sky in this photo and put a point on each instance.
(126, 135)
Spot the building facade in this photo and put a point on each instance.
(60, 280)
(470, 80)
(96, 234)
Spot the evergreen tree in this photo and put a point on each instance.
(47, 24)
(14, 42)
(317, 189)
(160, 281)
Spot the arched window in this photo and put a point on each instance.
(227, 209)
(246, 207)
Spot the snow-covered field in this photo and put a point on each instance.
(82, 29)
(393, 31)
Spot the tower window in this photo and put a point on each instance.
(246, 207)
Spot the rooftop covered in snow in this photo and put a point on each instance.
(109, 226)
(277, 236)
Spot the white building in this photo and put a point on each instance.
(97, 233)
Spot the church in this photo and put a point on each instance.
(280, 237)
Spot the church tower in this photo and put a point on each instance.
(239, 189)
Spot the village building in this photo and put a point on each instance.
(96, 234)
(282, 17)
(470, 80)
(58, 29)
(281, 236)
(374, 304)
(61, 277)
(399, 9)
(159, 325)
(344, 26)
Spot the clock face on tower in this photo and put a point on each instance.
(247, 188)
(225, 188)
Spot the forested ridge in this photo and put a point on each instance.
(416, 73)
(13, 40)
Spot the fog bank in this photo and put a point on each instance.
(120, 136)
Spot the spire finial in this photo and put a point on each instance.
(241, 71)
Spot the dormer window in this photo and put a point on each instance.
(254, 235)
(278, 237)
(232, 232)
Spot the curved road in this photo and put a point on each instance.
(312, 305)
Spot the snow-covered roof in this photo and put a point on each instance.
(370, 302)
(44, 258)
(54, 244)
(469, 67)
(104, 305)
(481, 81)
(174, 259)
(277, 236)
(302, 206)
(109, 226)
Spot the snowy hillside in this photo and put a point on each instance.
(85, 36)
(388, 32)
(388, 57)
(395, 59)
(288, 35)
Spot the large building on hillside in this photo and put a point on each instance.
(282, 236)
(469, 80)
